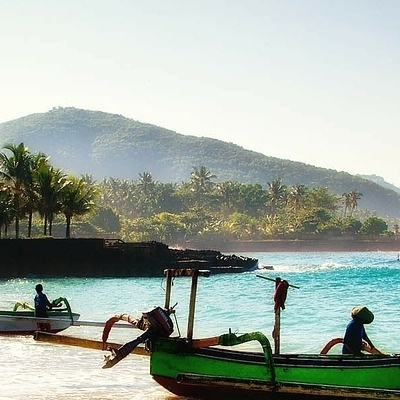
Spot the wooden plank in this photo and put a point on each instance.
(81, 342)
(102, 324)
(205, 342)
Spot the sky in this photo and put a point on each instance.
(315, 81)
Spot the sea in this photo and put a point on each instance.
(324, 288)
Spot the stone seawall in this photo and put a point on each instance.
(81, 257)
(107, 258)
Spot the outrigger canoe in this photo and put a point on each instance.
(214, 368)
(21, 319)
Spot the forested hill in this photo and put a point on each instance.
(110, 145)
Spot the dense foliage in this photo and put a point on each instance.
(29, 185)
(33, 193)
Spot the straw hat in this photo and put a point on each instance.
(363, 314)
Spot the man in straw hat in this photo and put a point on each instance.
(355, 335)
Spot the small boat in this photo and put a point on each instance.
(218, 367)
(21, 319)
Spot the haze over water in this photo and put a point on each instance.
(330, 285)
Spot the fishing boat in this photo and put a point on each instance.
(21, 319)
(219, 367)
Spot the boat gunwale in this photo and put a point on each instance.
(288, 359)
(294, 359)
(58, 320)
(30, 314)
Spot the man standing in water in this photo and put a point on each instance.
(42, 305)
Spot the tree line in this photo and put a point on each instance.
(33, 193)
(30, 185)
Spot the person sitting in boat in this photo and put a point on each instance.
(42, 305)
(355, 338)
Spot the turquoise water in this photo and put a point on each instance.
(330, 284)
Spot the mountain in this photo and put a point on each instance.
(110, 145)
(380, 181)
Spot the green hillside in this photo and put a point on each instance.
(110, 145)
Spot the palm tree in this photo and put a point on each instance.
(50, 182)
(346, 202)
(77, 198)
(145, 194)
(228, 192)
(296, 196)
(31, 191)
(146, 183)
(6, 209)
(351, 201)
(201, 188)
(276, 194)
(16, 172)
(201, 180)
(354, 197)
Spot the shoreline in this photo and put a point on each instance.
(333, 245)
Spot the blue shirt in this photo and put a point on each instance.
(353, 337)
(41, 304)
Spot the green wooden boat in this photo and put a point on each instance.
(214, 372)
(215, 368)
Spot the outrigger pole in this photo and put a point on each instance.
(194, 273)
(279, 299)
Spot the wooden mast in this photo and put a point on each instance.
(276, 332)
(194, 273)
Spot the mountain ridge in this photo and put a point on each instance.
(110, 145)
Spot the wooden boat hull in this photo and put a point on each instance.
(218, 372)
(24, 322)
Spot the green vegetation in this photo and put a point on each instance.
(103, 145)
(33, 193)
(29, 185)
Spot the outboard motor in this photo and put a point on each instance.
(157, 323)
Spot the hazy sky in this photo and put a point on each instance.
(316, 81)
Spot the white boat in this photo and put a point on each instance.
(21, 319)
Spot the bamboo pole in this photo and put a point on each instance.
(274, 280)
(192, 305)
(276, 332)
(81, 342)
(102, 324)
(168, 274)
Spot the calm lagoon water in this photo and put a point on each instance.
(330, 284)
